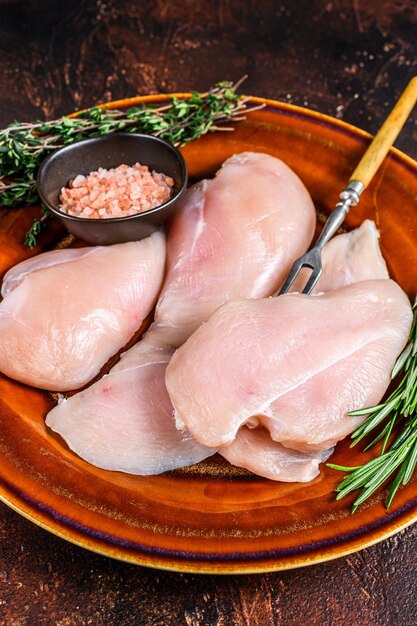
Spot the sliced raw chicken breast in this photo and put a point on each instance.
(66, 312)
(295, 364)
(15, 276)
(124, 421)
(347, 259)
(254, 450)
(235, 235)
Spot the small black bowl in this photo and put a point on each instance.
(83, 157)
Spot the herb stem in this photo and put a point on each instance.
(398, 412)
(23, 146)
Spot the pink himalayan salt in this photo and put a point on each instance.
(117, 192)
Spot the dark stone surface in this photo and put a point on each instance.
(348, 58)
(45, 580)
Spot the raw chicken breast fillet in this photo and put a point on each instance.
(254, 450)
(124, 421)
(66, 312)
(347, 258)
(295, 364)
(234, 236)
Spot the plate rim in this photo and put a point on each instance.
(34, 514)
(206, 567)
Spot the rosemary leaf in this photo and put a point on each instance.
(398, 413)
(411, 464)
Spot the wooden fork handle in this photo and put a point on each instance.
(386, 135)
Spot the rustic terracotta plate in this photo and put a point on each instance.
(212, 517)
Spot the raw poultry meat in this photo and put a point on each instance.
(235, 236)
(255, 450)
(66, 312)
(124, 421)
(295, 364)
(347, 258)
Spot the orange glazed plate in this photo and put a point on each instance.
(213, 517)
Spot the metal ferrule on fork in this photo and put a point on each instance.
(361, 177)
(348, 197)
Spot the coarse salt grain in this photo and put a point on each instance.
(117, 192)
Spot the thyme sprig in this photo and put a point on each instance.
(37, 226)
(397, 456)
(23, 146)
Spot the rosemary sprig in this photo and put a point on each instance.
(399, 457)
(23, 146)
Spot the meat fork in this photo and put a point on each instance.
(361, 177)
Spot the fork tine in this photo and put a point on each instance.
(295, 268)
(313, 278)
(359, 180)
(312, 260)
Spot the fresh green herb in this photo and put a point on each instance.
(23, 146)
(399, 410)
(38, 224)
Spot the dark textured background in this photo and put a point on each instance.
(348, 58)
